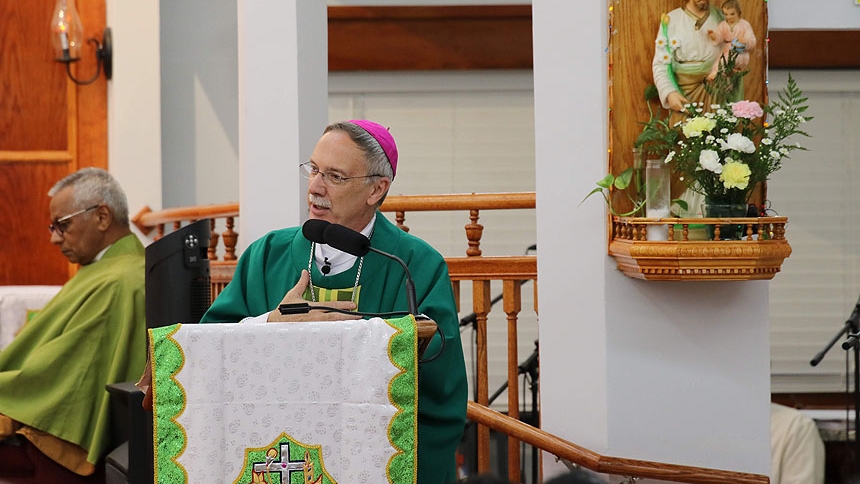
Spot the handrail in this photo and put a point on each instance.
(458, 201)
(146, 219)
(604, 464)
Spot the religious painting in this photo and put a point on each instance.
(667, 53)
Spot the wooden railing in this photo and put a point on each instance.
(512, 271)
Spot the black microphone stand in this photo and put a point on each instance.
(530, 367)
(851, 329)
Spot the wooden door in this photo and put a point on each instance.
(49, 127)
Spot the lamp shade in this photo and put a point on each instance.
(66, 31)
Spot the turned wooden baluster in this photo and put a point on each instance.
(230, 239)
(481, 303)
(400, 218)
(474, 230)
(778, 231)
(512, 300)
(159, 231)
(213, 241)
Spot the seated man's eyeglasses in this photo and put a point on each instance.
(60, 225)
(310, 171)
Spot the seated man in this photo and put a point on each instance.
(349, 173)
(92, 333)
(797, 451)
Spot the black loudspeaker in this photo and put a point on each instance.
(177, 276)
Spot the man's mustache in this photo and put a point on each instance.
(319, 201)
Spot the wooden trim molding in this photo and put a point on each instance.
(429, 38)
(813, 49)
(500, 37)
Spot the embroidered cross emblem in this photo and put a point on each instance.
(284, 466)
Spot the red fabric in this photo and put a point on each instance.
(23, 463)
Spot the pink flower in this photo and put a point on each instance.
(747, 109)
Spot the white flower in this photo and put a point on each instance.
(660, 43)
(664, 58)
(710, 160)
(767, 141)
(669, 157)
(737, 142)
(775, 155)
(724, 130)
(675, 42)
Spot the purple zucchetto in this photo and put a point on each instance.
(383, 137)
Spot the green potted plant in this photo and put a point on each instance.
(654, 142)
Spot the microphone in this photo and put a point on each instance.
(313, 230)
(854, 322)
(855, 315)
(352, 242)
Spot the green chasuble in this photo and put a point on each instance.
(92, 333)
(272, 265)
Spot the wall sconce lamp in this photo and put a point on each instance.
(67, 35)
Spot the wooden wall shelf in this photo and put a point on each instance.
(681, 259)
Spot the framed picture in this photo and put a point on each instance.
(659, 46)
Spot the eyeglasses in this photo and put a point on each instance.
(310, 171)
(60, 225)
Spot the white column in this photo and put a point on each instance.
(283, 102)
(673, 372)
(134, 103)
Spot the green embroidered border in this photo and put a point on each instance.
(168, 403)
(403, 394)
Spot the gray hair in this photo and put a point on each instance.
(94, 186)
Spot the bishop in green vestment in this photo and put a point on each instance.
(349, 174)
(92, 333)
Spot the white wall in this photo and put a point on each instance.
(820, 14)
(134, 102)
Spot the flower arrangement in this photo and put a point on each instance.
(724, 153)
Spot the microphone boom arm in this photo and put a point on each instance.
(410, 284)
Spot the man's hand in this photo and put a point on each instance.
(676, 101)
(294, 295)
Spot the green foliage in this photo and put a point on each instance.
(727, 84)
(657, 136)
(620, 182)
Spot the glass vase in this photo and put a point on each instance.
(720, 209)
(657, 200)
